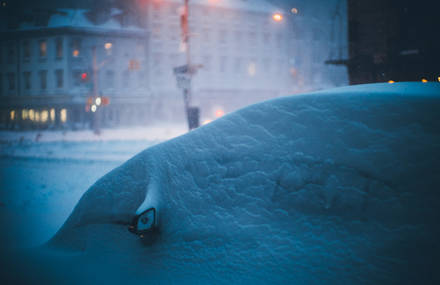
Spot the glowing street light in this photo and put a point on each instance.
(93, 108)
(277, 17)
(391, 81)
(98, 101)
(424, 80)
(294, 11)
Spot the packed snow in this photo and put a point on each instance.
(331, 187)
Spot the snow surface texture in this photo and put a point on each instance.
(332, 187)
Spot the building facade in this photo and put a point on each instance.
(50, 72)
(244, 55)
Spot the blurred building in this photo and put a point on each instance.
(244, 53)
(393, 40)
(47, 74)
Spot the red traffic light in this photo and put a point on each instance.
(84, 76)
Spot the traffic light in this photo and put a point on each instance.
(84, 77)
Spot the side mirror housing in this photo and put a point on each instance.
(144, 222)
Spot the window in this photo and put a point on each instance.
(26, 50)
(266, 65)
(126, 78)
(43, 48)
(207, 62)
(109, 79)
(76, 76)
(252, 37)
(223, 63)
(11, 53)
(237, 66)
(76, 47)
(59, 47)
(27, 80)
(222, 36)
(142, 79)
(43, 79)
(59, 77)
(11, 81)
(238, 37)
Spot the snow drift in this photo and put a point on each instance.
(332, 187)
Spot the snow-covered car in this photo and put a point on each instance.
(332, 187)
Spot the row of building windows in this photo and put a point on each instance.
(223, 36)
(38, 116)
(225, 64)
(27, 80)
(109, 79)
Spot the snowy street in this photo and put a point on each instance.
(41, 182)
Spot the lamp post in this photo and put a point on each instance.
(184, 73)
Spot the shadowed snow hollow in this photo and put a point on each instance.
(334, 187)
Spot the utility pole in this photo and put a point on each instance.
(95, 118)
(184, 73)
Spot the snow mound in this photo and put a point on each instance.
(332, 187)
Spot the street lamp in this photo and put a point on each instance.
(277, 17)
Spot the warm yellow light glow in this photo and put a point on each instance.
(252, 69)
(98, 101)
(93, 108)
(206, 122)
(24, 114)
(44, 116)
(108, 46)
(294, 11)
(219, 113)
(63, 115)
(424, 80)
(438, 78)
(31, 114)
(277, 17)
(12, 115)
(391, 81)
(75, 53)
(37, 116)
(52, 114)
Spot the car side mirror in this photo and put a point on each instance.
(144, 223)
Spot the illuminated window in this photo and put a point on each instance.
(63, 115)
(43, 48)
(44, 116)
(24, 114)
(37, 116)
(12, 115)
(52, 114)
(76, 47)
(31, 114)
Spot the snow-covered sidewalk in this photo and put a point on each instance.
(111, 145)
